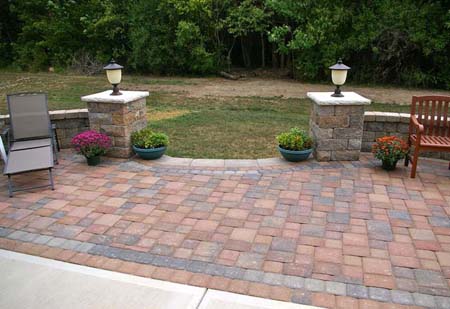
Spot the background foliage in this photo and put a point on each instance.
(403, 42)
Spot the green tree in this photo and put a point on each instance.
(170, 36)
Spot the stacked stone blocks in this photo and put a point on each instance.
(118, 117)
(378, 124)
(68, 123)
(337, 129)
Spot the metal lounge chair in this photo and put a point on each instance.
(31, 142)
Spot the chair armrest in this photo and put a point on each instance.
(5, 136)
(417, 124)
(5, 131)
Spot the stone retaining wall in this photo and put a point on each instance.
(68, 124)
(378, 124)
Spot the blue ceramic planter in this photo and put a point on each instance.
(149, 154)
(293, 155)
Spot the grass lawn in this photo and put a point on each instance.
(207, 127)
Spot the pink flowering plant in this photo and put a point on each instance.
(91, 143)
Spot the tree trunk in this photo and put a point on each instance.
(282, 61)
(229, 54)
(274, 57)
(263, 53)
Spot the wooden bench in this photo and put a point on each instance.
(429, 127)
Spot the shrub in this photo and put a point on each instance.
(295, 139)
(91, 143)
(146, 138)
(390, 148)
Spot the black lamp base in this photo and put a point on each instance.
(116, 90)
(337, 92)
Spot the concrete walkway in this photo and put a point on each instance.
(34, 282)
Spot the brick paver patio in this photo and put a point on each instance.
(339, 234)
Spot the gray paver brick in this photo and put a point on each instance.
(273, 279)
(338, 217)
(234, 272)
(424, 300)
(215, 270)
(380, 294)
(56, 242)
(42, 239)
(85, 247)
(429, 278)
(253, 275)
(337, 288)
(71, 244)
(196, 266)
(301, 297)
(402, 297)
(442, 302)
(5, 231)
(399, 214)
(379, 230)
(283, 244)
(314, 285)
(403, 272)
(357, 291)
(439, 221)
(294, 282)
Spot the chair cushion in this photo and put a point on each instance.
(433, 141)
(34, 143)
(29, 160)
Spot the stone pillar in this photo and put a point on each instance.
(117, 116)
(336, 125)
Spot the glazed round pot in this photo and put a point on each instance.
(149, 153)
(295, 155)
(388, 165)
(93, 161)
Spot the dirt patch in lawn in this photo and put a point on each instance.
(285, 88)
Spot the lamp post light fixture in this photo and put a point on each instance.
(338, 76)
(114, 75)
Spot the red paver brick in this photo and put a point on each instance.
(259, 290)
(206, 225)
(380, 281)
(243, 234)
(200, 280)
(344, 302)
(377, 266)
(323, 300)
(405, 261)
(219, 283)
(328, 255)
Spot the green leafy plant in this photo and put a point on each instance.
(148, 139)
(295, 139)
(390, 148)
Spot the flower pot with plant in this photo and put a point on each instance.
(295, 145)
(390, 149)
(149, 145)
(92, 145)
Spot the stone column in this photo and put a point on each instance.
(336, 125)
(117, 116)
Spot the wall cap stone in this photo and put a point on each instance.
(62, 114)
(349, 98)
(106, 97)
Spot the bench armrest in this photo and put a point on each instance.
(417, 124)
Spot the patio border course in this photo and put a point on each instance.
(98, 256)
